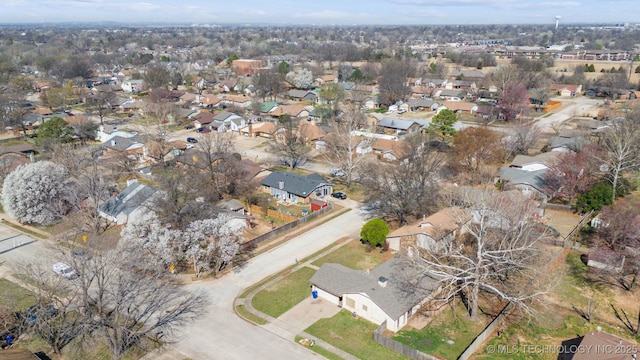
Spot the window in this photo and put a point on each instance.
(350, 303)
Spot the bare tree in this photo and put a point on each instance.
(621, 148)
(407, 189)
(393, 81)
(101, 104)
(496, 254)
(289, 143)
(342, 146)
(572, 173)
(125, 300)
(54, 316)
(524, 135)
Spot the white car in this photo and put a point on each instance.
(64, 270)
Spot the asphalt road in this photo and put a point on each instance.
(220, 334)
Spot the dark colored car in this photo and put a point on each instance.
(192, 140)
(189, 127)
(39, 311)
(339, 195)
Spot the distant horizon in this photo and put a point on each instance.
(194, 24)
(326, 13)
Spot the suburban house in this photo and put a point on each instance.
(565, 90)
(533, 163)
(585, 347)
(290, 110)
(460, 107)
(157, 152)
(389, 150)
(451, 94)
(434, 233)
(529, 183)
(605, 259)
(265, 129)
(134, 200)
(294, 188)
(122, 145)
(107, 132)
(375, 295)
(300, 95)
(231, 205)
(203, 119)
(131, 86)
(228, 121)
(399, 126)
(422, 104)
(309, 133)
(236, 100)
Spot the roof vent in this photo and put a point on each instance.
(281, 184)
(382, 281)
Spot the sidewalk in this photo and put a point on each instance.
(289, 330)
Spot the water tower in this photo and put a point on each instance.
(558, 17)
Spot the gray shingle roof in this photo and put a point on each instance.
(420, 103)
(400, 124)
(519, 176)
(393, 299)
(293, 183)
(119, 143)
(128, 200)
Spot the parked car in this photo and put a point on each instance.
(64, 270)
(39, 311)
(81, 254)
(338, 172)
(339, 195)
(192, 140)
(189, 127)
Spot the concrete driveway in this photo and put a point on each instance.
(220, 334)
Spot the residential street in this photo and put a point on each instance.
(220, 334)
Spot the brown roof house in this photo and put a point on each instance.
(566, 90)
(606, 260)
(391, 150)
(598, 345)
(434, 233)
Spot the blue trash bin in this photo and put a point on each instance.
(314, 293)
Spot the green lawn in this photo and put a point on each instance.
(451, 324)
(556, 321)
(354, 255)
(281, 296)
(353, 335)
(242, 311)
(320, 350)
(15, 295)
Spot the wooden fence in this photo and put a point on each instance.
(284, 228)
(255, 209)
(398, 346)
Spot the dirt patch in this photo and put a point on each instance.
(563, 221)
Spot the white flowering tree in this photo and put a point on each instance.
(208, 244)
(212, 243)
(161, 243)
(37, 193)
(302, 79)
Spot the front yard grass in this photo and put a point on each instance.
(353, 335)
(281, 296)
(354, 255)
(450, 324)
(320, 350)
(15, 295)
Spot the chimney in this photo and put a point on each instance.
(382, 281)
(113, 143)
(281, 184)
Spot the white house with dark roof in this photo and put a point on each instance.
(376, 295)
(290, 187)
(131, 202)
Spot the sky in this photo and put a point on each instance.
(322, 12)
